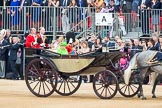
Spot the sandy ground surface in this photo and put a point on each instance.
(15, 94)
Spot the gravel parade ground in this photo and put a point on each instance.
(15, 94)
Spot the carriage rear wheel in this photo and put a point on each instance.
(131, 89)
(105, 84)
(67, 85)
(40, 77)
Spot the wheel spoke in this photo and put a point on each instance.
(47, 86)
(39, 88)
(134, 85)
(109, 90)
(33, 81)
(131, 88)
(60, 85)
(68, 86)
(99, 88)
(106, 92)
(128, 90)
(125, 89)
(64, 86)
(72, 84)
(43, 88)
(35, 69)
(102, 90)
(35, 85)
(33, 72)
(102, 78)
(123, 86)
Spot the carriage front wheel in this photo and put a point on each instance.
(105, 84)
(131, 89)
(40, 77)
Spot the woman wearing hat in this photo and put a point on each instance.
(62, 49)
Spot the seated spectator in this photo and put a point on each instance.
(76, 46)
(136, 48)
(97, 45)
(150, 44)
(84, 48)
(144, 45)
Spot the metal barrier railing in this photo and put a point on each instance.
(78, 20)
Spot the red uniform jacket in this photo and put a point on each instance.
(30, 40)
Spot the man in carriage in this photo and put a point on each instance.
(34, 40)
(31, 39)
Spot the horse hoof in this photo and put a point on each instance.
(143, 98)
(138, 95)
(153, 96)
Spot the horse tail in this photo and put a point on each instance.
(132, 65)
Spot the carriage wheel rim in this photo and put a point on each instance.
(43, 87)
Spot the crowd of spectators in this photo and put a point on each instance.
(71, 12)
(11, 55)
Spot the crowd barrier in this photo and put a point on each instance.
(79, 20)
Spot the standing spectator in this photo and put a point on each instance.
(8, 36)
(26, 11)
(19, 61)
(155, 4)
(13, 49)
(111, 6)
(98, 4)
(126, 8)
(3, 54)
(107, 2)
(53, 4)
(104, 8)
(117, 5)
(65, 21)
(15, 14)
(73, 16)
(64, 3)
(144, 16)
(36, 12)
(81, 4)
(1, 12)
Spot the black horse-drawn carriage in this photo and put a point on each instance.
(49, 71)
